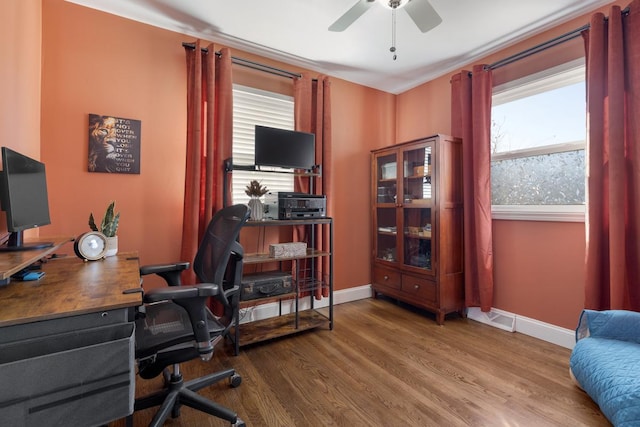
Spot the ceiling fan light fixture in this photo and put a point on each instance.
(393, 4)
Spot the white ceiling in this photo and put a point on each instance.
(295, 31)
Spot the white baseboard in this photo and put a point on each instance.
(524, 325)
(265, 311)
(546, 331)
(498, 318)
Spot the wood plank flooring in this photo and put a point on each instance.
(386, 364)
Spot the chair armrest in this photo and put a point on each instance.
(203, 290)
(194, 300)
(169, 272)
(232, 294)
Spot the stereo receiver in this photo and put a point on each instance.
(288, 205)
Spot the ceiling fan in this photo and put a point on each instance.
(420, 11)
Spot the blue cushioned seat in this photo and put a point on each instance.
(606, 363)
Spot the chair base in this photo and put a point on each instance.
(178, 393)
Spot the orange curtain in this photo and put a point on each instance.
(471, 121)
(613, 155)
(312, 111)
(209, 139)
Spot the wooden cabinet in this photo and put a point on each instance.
(417, 224)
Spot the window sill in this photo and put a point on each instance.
(557, 213)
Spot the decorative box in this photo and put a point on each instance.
(413, 231)
(389, 170)
(288, 250)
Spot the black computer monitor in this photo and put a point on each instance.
(23, 196)
(284, 148)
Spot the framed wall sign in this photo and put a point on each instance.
(114, 144)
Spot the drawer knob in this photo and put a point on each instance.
(416, 287)
(386, 277)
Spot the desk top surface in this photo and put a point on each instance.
(71, 287)
(13, 261)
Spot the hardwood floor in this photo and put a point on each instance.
(386, 364)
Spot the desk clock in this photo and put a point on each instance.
(90, 246)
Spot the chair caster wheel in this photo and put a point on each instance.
(238, 423)
(235, 380)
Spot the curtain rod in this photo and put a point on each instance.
(251, 64)
(545, 45)
(538, 48)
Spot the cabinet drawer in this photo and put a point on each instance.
(420, 288)
(386, 277)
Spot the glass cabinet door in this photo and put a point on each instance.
(417, 238)
(417, 171)
(404, 207)
(387, 181)
(387, 235)
(386, 243)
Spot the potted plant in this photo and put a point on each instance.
(255, 190)
(108, 227)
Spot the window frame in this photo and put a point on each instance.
(546, 80)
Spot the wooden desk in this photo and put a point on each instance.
(71, 287)
(67, 340)
(13, 261)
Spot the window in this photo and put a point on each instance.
(538, 133)
(257, 107)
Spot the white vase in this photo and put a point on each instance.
(257, 209)
(112, 246)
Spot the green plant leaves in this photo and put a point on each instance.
(110, 221)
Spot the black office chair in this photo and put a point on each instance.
(175, 324)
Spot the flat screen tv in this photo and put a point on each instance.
(23, 196)
(284, 148)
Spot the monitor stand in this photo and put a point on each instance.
(16, 243)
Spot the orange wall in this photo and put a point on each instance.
(539, 266)
(99, 63)
(424, 110)
(539, 269)
(360, 122)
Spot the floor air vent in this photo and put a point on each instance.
(496, 318)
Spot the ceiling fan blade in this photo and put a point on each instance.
(351, 15)
(423, 14)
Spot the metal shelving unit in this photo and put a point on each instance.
(299, 320)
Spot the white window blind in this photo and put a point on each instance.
(253, 107)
